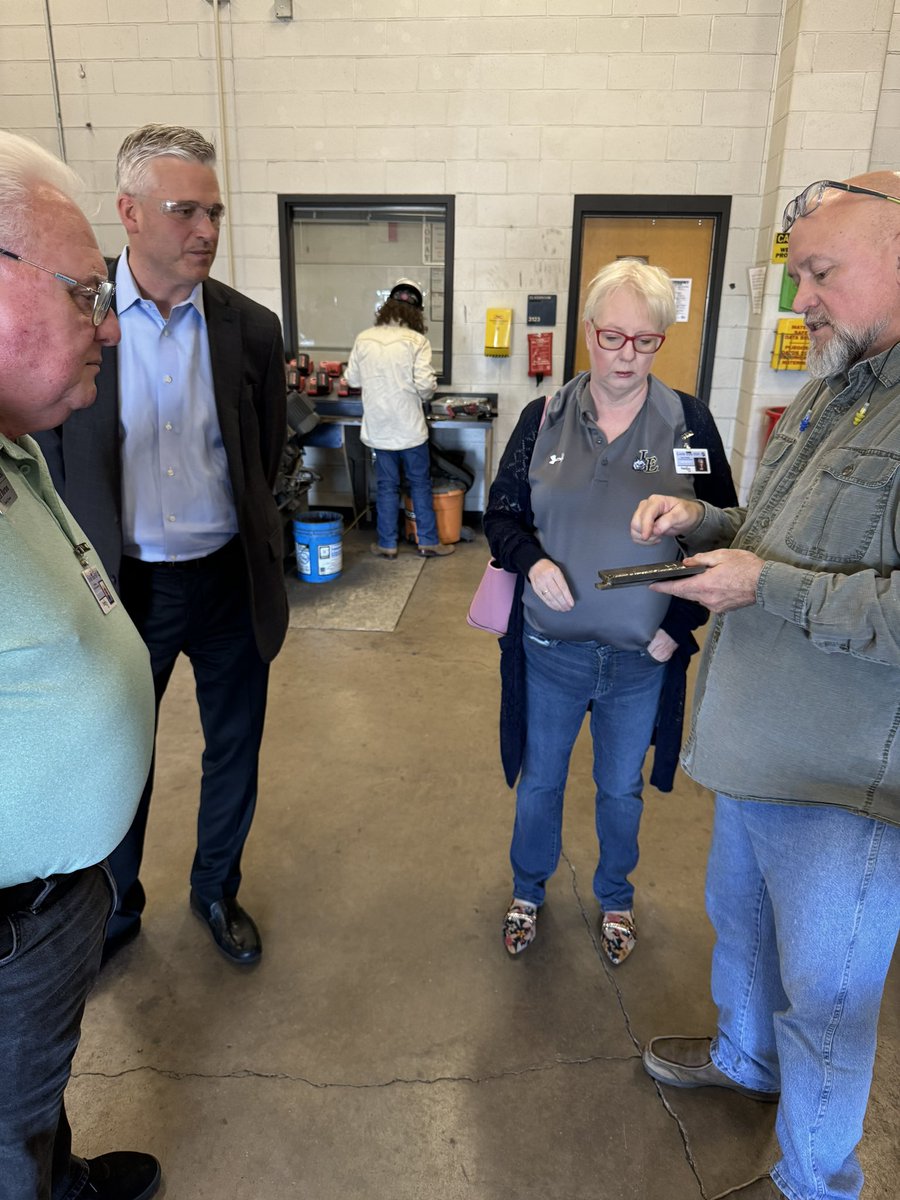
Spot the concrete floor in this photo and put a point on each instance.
(386, 1047)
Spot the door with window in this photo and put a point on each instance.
(686, 236)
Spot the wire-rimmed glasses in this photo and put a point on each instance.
(102, 295)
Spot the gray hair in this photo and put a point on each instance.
(25, 167)
(650, 284)
(155, 141)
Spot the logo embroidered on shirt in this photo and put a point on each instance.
(556, 458)
(645, 461)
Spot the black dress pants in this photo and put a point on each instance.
(200, 608)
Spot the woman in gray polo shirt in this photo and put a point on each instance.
(559, 510)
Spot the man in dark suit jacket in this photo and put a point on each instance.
(170, 474)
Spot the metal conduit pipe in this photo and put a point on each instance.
(54, 81)
(223, 141)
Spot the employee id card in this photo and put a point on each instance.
(691, 460)
(8, 494)
(99, 589)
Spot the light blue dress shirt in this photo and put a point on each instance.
(177, 501)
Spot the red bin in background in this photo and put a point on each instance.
(772, 416)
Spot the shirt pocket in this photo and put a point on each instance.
(774, 452)
(842, 511)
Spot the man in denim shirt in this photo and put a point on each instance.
(797, 711)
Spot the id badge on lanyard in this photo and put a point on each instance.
(691, 460)
(8, 494)
(99, 588)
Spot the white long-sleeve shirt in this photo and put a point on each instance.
(392, 365)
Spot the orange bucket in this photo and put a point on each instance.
(448, 511)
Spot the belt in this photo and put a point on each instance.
(37, 894)
(187, 564)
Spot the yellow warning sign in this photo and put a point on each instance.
(791, 345)
(780, 247)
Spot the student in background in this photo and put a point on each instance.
(391, 362)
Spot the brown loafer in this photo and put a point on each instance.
(434, 551)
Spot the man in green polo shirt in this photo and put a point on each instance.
(76, 695)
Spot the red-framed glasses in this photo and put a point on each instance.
(614, 339)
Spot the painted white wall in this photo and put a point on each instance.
(511, 105)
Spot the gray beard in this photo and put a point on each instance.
(847, 345)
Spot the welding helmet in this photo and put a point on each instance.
(407, 291)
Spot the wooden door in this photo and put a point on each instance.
(680, 245)
(686, 236)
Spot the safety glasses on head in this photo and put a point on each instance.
(811, 197)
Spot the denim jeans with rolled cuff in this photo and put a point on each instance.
(561, 679)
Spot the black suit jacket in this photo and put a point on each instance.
(247, 357)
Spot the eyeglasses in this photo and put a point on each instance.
(192, 212)
(101, 296)
(644, 343)
(811, 197)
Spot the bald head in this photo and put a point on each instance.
(878, 181)
(882, 216)
(844, 254)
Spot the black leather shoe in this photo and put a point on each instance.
(232, 928)
(123, 1175)
(685, 1062)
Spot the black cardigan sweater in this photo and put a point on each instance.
(509, 527)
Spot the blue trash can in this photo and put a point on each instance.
(318, 546)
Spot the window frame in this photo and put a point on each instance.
(288, 204)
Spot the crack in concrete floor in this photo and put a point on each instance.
(609, 971)
(247, 1073)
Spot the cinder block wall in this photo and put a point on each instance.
(514, 106)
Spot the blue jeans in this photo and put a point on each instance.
(417, 468)
(48, 962)
(561, 678)
(805, 901)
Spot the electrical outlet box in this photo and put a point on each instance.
(284, 10)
